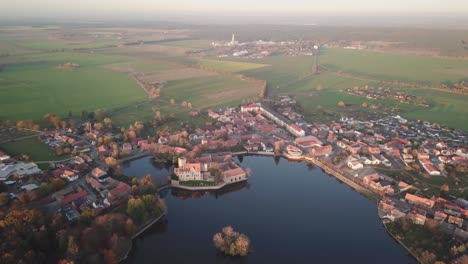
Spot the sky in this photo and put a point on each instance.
(148, 8)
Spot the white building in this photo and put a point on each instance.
(354, 164)
(189, 171)
(19, 169)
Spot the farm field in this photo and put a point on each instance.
(229, 66)
(280, 71)
(35, 86)
(406, 68)
(205, 92)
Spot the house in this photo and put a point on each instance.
(323, 151)
(455, 220)
(373, 150)
(3, 156)
(372, 161)
(99, 174)
(440, 216)
(234, 175)
(250, 108)
(416, 200)
(189, 171)
(69, 175)
(295, 130)
(29, 187)
(307, 142)
(354, 149)
(354, 164)
(416, 218)
(119, 193)
(71, 196)
(430, 169)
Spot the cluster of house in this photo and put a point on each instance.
(450, 215)
(55, 139)
(219, 169)
(374, 93)
(87, 189)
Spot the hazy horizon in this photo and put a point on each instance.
(240, 11)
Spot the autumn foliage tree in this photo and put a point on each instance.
(232, 243)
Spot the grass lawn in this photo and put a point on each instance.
(35, 86)
(417, 69)
(34, 148)
(229, 66)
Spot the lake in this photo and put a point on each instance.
(292, 213)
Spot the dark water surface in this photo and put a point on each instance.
(292, 212)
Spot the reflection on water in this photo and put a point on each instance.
(186, 194)
(292, 212)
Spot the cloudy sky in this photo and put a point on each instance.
(105, 7)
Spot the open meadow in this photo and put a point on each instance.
(405, 68)
(34, 86)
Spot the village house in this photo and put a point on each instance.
(416, 218)
(416, 200)
(440, 216)
(354, 163)
(455, 220)
(69, 175)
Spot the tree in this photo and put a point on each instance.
(88, 215)
(107, 122)
(427, 257)
(136, 209)
(98, 126)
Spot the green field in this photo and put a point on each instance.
(417, 69)
(35, 149)
(281, 70)
(35, 86)
(446, 108)
(229, 66)
(210, 91)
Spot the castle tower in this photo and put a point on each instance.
(181, 162)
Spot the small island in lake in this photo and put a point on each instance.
(231, 243)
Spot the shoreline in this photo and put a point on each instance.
(142, 229)
(401, 243)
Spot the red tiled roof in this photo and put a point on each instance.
(296, 127)
(66, 199)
